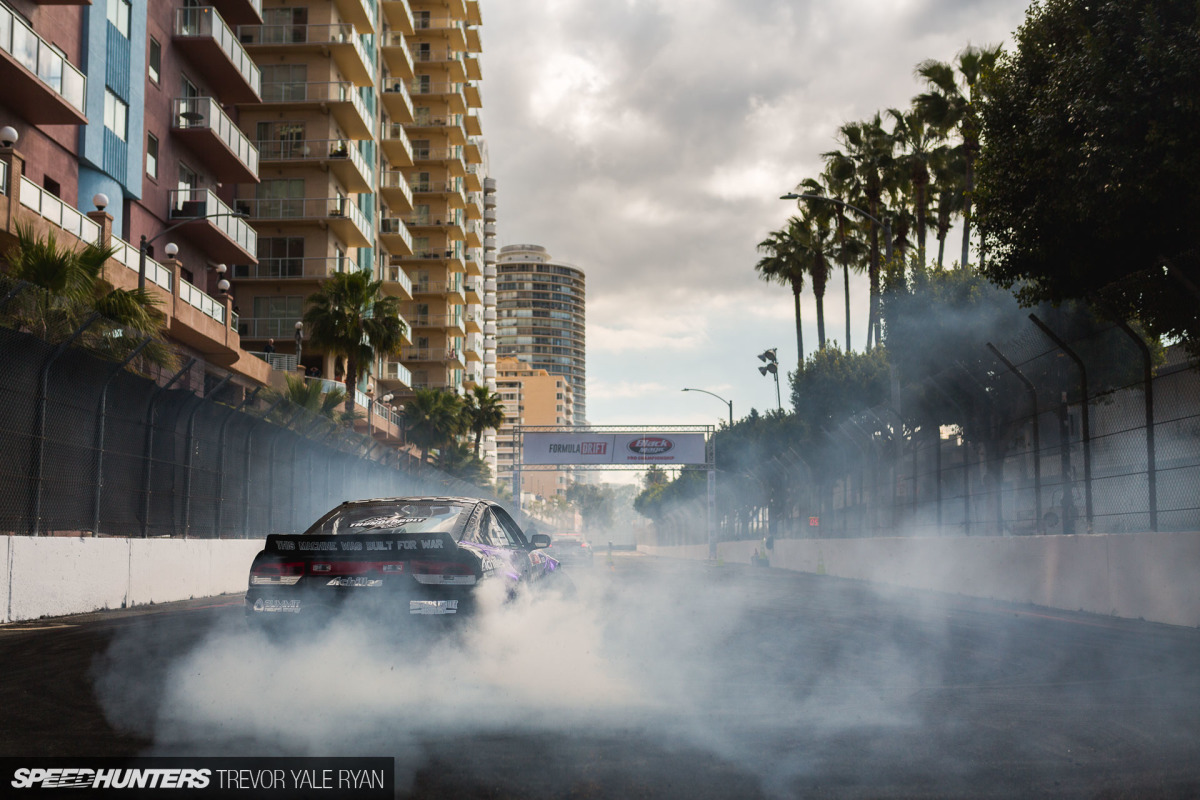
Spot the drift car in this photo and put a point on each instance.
(571, 549)
(406, 556)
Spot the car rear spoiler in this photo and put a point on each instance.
(388, 546)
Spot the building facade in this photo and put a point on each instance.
(531, 396)
(540, 303)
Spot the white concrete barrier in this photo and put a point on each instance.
(55, 576)
(1151, 576)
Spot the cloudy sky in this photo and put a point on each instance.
(647, 142)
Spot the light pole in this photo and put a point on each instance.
(722, 399)
(772, 366)
(299, 341)
(145, 242)
(885, 224)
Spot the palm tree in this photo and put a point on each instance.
(866, 159)
(434, 418)
(920, 147)
(850, 251)
(315, 399)
(781, 264)
(949, 176)
(351, 317)
(66, 286)
(483, 410)
(950, 104)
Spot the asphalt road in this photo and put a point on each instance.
(659, 679)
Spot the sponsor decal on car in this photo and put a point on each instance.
(390, 521)
(432, 606)
(273, 605)
(650, 445)
(357, 581)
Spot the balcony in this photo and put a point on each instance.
(449, 158)
(394, 371)
(474, 291)
(473, 15)
(339, 98)
(359, 13)
(449, 93)
(473, 323)
(443, 58)
(447, 259)
(473, 124)
(396, 283)
(340, 42)
(239, 12)
(436, 355)
(315, 268)
(472, 153)
(448, 290)
(208, 132)
(474, 206)
(395, 236)
(396, 145)
(339, 156)
(473, 41)
(235, 241)
(397, 102)
(450, 191)
(449, 126)
(399, 15)
(451, 228)
(338, 214)
(39, 84)
(451, 322)
(473, 96)
(451, 33)
(474, 70)
(202, 35)
(474, 233)
(396, 56)
(395, 191)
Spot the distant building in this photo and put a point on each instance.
(541, 307)
(531, 396)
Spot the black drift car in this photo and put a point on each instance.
(400, 557)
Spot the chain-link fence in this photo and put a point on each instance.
(173, 448)
(1039, 435)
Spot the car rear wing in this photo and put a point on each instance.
(385, 546)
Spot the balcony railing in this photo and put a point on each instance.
(188, 203)
(395, 371)
(398, 275)
(344, 43)
(397, 54)
(202, 301)
(204, 113)
(284, 362)
(430, 354)
(36, 55)
(395, 133)
(267, 328)
(315, 150)
(435, 320)
(438, 287)
(332, 92)
(204, 22)
(393, 226)
(128, 255)
(41, 202)
(302, 268)
(397, 91)
(418, 87)
(394, 179)
(301, 208)
(437, 154)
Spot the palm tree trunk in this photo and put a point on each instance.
(846, 279)
(969, 190)
(799, 331)
(351, 382)
(478, 437)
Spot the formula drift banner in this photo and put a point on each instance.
(613, 448)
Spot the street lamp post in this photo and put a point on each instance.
(885, 224)
(772, 366)
(722, 399)
(171, 248)
(299, 340)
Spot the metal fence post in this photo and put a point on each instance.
(1148, 381)
(40, 453)
(1037, 439)
(100, 433)
(1083, 403)
(148, 456)
(216, 529)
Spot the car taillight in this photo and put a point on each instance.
(444, 572)
(279, 573)
(340, 567)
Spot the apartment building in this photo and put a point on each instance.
(86, 151)
(541, 304)
(532, 396)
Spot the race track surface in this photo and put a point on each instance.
(656, 679)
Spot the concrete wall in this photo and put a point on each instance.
(54, 576)
(1152, 576)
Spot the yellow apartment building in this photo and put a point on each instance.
(532, 396)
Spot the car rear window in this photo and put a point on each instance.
(415, 517)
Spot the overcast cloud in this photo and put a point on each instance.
(647, 142)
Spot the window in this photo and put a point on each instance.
(116, 114)
(281, 256)
(118, 16)
(155, 60)
(151, 155)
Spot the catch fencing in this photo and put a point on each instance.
(92, 448)
(1039, 435)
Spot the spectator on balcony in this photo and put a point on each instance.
(270, 348)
